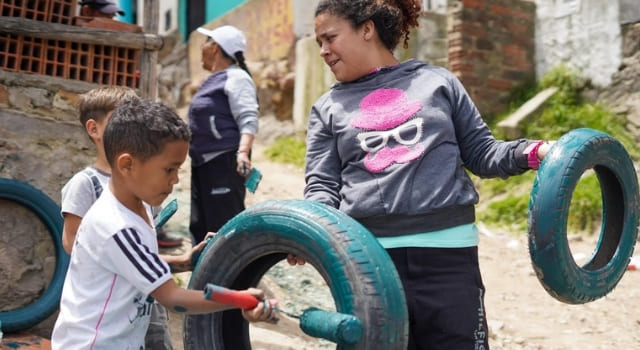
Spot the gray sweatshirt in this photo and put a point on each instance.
(390, 150)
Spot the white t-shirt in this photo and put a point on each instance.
(82, 190)
(114, 267)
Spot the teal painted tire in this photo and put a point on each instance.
(559, 173)
(49, 212)
(359, 272)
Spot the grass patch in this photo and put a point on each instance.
(500, 204)
(288, 149)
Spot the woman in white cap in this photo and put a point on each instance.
(223, 117)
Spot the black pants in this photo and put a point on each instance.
(217, 195)
(445, 297)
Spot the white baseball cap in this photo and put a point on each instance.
(229, 38)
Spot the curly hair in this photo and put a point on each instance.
(393, 19)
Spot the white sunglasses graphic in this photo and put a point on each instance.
(406, 134)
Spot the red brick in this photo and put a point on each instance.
(455, 43)
(477, 55)
(501, 84)
(501, 10)
(461, 67)
(456, 54)
(474, 3)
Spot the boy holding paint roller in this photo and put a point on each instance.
(115, 272)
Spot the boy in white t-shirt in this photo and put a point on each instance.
(115, 271)
(83, 189)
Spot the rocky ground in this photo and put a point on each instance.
(521, 315)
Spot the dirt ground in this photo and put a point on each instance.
(520, 313)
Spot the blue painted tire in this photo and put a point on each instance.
(49, 212)
(359, 272)
(559, 173)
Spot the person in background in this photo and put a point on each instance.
(100, 8)
(389, 145)
(223, 118)
(94, 109)
(115, 272)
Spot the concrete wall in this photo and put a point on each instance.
(167, 15)
(312, 79)
(303, 12)
(429, 41)
(437, 6)
(629, 11)
(583, 34)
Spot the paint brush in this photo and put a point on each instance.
(252, 181)
(166, 213)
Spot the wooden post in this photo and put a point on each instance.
(149, 58)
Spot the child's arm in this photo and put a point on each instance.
(190, 301)
(69, 230)
(182, 263)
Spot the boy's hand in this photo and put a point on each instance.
(186, 261)
(264, 311)
(194, 254)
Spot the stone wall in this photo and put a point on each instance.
(42, 144)
(623, 94)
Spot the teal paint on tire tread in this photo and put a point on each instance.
(49, 212)
(572, 155)
(359, 272)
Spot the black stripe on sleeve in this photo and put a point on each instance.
(160, 264)
(131, 235)
(129, 256)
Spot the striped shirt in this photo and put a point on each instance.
(114, 268)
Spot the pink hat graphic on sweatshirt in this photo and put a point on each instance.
(385, 114)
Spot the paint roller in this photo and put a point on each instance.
(342, 329)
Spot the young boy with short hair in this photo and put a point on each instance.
(83, 189)
(115, 271)
(78, 194)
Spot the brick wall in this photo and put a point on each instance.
(491, 48)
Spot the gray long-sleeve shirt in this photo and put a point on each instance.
(223, 108)
(390, 150)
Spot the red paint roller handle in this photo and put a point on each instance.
(230, 297)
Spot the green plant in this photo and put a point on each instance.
(501, 206)
(288, 149)
(585, 212)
